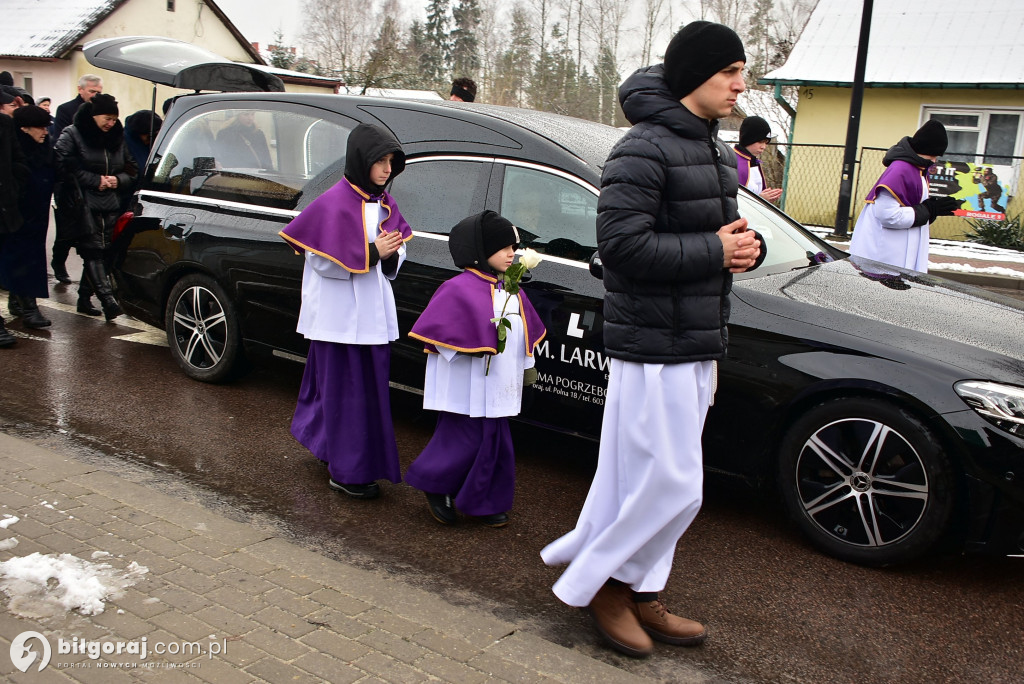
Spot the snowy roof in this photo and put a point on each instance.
(294, 75)
(912, 44)
(395, 92)
(49, 28)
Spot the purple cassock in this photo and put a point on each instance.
(459, 315)
(744, 162)
(471, 459)
(343, 414)
(326, 226)
(903, 181)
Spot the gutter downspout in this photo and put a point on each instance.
(789, 141)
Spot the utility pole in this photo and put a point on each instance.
(853, 125)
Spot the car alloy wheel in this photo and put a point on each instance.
(202, 329)
(867, 481)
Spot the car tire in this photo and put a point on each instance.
(202, 330)
(866, 481)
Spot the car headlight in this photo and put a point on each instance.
(1000, 404)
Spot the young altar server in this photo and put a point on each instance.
(354, 240)
(469, 464)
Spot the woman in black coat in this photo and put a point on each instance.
(97, 174)
(23, 260)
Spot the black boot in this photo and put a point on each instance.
(97, 274)
(14, 305)
(85, 293)
(61, 248)
(6, 338)
(32, 317)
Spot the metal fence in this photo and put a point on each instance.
(810, 176)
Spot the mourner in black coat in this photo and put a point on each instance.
(97, 173)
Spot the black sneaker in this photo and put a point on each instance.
(442, 507)
(494, 520)
(356, 491)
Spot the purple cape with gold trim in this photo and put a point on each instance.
(459, 315)
(903, 180)
(332, 226)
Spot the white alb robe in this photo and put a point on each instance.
(345, 307)
(457, 383)
(649, 481)
(885, 232)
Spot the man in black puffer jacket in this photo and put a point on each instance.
(670, 238)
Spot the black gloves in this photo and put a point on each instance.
(929, 209)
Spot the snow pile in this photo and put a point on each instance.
(42, 586)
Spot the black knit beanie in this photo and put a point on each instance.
(499, 233)
(31, 116)
(475, 238)
(754, 129)
(6, 78)
(930, 138)
(103, 104)
(699, 51)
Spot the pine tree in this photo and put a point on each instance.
(280, 56)
(436, 56)
(465, 45)
(516, 63)
(759, 40)
(383, 66)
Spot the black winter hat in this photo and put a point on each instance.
(143, 122)
(475, 238)
(697, 52)
(31, 116)
(103, 104)
(754, 129)
(930, 138)
(6, 78)
(5, 97)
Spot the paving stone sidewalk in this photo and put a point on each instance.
(272, 610)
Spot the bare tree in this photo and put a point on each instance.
(652, 22)
(339, 33)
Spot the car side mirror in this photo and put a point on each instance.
(596, 267)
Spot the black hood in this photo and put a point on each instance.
(475, 238)
(902, 151)
(368, 144)
(645, 96)
(91, 133)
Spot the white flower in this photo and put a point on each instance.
(530, 258)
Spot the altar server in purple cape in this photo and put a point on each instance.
(755, 134)
(893, 227)
(469, 464)
(353, 240)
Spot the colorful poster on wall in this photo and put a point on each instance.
(983, 189)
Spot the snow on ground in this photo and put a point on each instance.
(957, 249)
(47, 585)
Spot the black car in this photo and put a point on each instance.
(886, 406)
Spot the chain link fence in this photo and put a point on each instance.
(810, 176)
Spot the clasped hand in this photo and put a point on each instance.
(108, 182)
(741, 246)
(388, 243)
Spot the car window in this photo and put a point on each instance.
(788, 246)
(554, 215)
(434, 195)
(250, 155)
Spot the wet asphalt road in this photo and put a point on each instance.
(777, 610)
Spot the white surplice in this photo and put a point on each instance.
(461, 383)
(350, 308)
(649, 481)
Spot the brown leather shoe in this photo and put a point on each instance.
(657, 621)
(615, 618)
